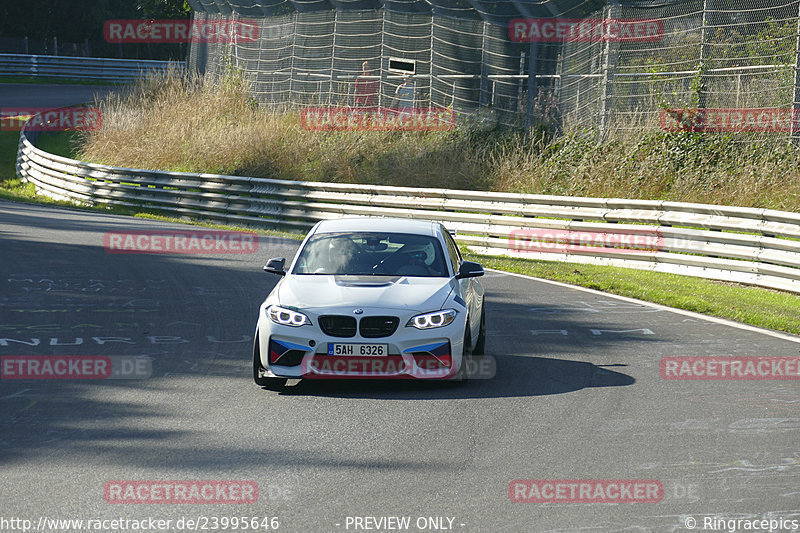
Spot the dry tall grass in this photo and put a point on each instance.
(170, 123)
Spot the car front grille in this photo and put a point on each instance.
(370, 327)
(338, 325)
(374, 327)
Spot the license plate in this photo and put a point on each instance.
(368, 350)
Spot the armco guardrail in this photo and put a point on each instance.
(746, 245)
(116, 70)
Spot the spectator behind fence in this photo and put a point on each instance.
(366, 88)
(404, 96)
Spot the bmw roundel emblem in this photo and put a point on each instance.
(358, 311)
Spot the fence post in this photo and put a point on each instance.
(431, 72)
(432, 69)
(521, 82)
(796, 98)
(382, 80)
(533, 85)
(333, 57)
(484, 98)
(701, 94)
(294, 52)
(258, 85)
(610, 47)
(738, 87)
(234, 43)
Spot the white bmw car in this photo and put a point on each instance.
(371, 298)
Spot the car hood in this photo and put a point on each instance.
(321, 291)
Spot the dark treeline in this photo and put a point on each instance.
(77, 26)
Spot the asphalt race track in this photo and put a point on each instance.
(578, 395)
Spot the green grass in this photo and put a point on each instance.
(750, 305)
(11, 187)
(8, 152)
(61, 143)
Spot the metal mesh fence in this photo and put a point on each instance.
(706, 54)
(316, 57)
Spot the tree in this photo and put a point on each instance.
(77, 21)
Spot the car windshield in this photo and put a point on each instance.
(372, 254)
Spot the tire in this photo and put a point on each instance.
(480, 343)
(275, 384)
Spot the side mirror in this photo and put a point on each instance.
(276, 265)
(469, 270)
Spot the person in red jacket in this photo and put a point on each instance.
(366, 90)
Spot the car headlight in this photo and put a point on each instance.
(436, 319)
(287, 317)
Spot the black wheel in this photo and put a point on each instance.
(480, 344)
(276, 384)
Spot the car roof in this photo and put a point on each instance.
(382, 225)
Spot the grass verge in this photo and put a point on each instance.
(11, 187)
(199, 125)
(750, 305)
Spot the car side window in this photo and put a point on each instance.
(452, 250)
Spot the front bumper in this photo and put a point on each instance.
(302, 353)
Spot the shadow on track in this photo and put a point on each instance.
(517, 375)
